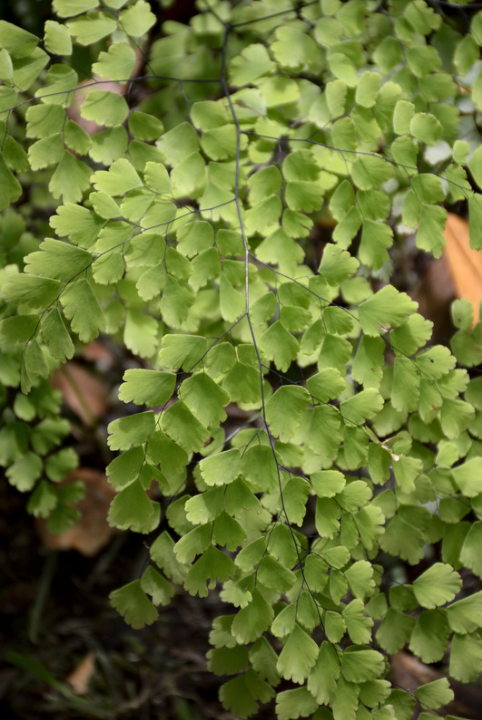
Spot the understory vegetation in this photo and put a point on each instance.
(226, 200)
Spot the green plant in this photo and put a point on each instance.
(189, 229)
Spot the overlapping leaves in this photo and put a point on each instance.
(276, 386)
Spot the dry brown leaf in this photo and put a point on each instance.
(465, 264)
(92, 532)
(80, 677)
(83, 393)
(96, 352)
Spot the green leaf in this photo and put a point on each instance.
(45, 152)
(33, 292)
(376, 238)
(68, 8)
(132, 509)
(59, 464)
(147, 387)
(204, 398)
(469, 554)
(35, 362)
(404, 535)
(360, 579)
(221, 469)
(251, 64)
(24, 472)
(435, 694)
(183, 427)
(178, 143)
(298, 656)
(162, 553)
(90, 28)
(386, 308)
(263, 659)
(359, 664)
(468, 477)
(430, 636)
(137, 19)
(131, 431)
(362, 406)
(326, 385)
(403, 113)
(11, 188)
(251, 621)
(274, 575)
(324, 674)
(75, 137)
(241, 694)
(466, 657)
(348, 227)
(82, 309)
(43, 500)
(104, 107)
(70, 180)
(15, 157)
(465, 616)
(117, 64)
(336, 264)
(212, 566)
(140, 333)
(57, 39)
(259, 468)
(370, 172)
(367, 89)
(320, 430)
(341, 202)
(430, 231)
(368, 362)
(345, 700)
(18, 42)
(155, 585)
(264, 183)
(61, 81)
(327, 517)
(142, 126)
(118, 180)
(182, 351)
(426, 127)
(395, 630)
(328, 483)
(133, 604)
(436, 586)
(125, 468)
(58, 260)
(6, 67)
(227, 661)
(406, 385)
(176, 300)
(264, 215)
(475, 218)
(194, 238)
(81, 225)
(205, 507)
(279, 346)
(294, 704)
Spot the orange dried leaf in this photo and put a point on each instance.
(80, 677)
(92, 532)
(465, 264)
(83, 393)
